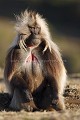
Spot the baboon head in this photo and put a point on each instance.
(32, 29)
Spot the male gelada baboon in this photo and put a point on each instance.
(34, 71)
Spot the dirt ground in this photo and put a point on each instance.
(72, 101)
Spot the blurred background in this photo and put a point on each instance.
(63, 17)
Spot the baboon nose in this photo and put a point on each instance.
(37, 30)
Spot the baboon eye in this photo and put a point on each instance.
(31, 27)
(39, 28)
(35, 29)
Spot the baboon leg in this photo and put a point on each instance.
(44, 98)
(16, 100)
(22, 100)
(56, 95)
(29, 104)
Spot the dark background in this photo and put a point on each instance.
(63, 17)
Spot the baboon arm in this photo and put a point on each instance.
(9, 65)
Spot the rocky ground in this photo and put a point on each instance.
(72, 101)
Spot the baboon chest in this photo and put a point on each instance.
(31, 64)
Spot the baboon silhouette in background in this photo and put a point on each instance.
(34, 71)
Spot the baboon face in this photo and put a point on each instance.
(33, 26)
(33, 30)
(34, 38)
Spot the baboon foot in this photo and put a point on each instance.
(58, 104)
(29, 106)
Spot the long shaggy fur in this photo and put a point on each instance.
(51, 68)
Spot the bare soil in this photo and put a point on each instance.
(72, 102)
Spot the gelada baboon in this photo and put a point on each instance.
(34, 71)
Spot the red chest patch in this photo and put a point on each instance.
(32, 58)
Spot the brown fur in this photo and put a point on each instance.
(38, 84)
